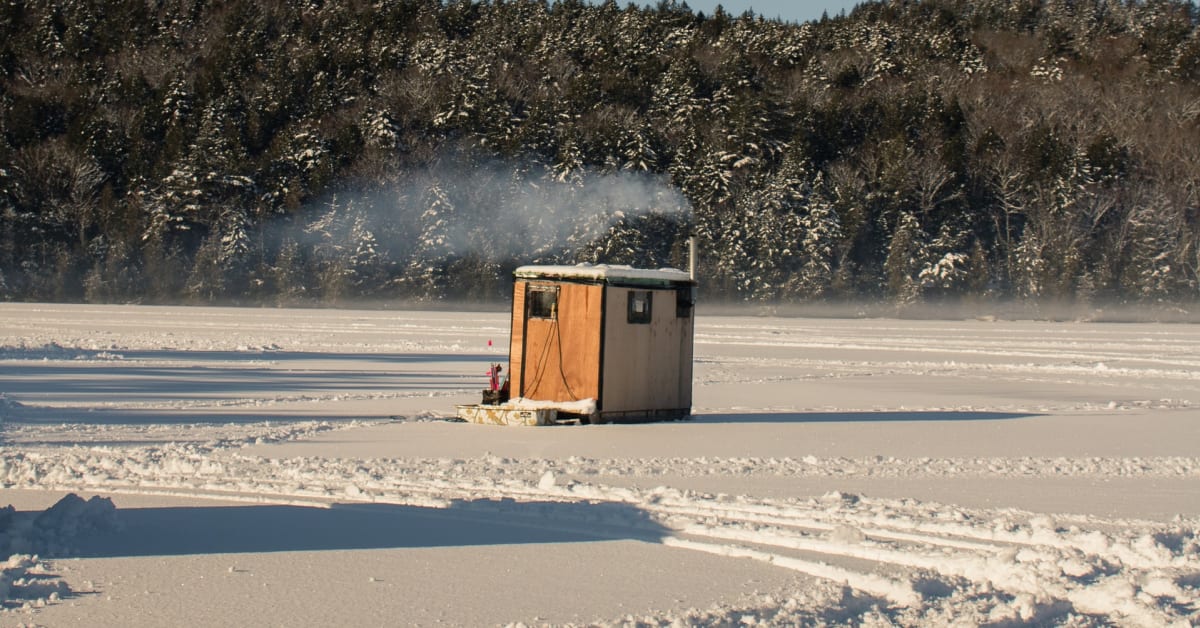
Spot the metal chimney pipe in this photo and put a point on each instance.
(692, 258)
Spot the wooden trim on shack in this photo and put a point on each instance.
(516, 341)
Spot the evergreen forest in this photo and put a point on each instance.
(292, 152)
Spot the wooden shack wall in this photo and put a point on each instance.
(647, 367)
(557, 359)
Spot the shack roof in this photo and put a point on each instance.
(605, 273)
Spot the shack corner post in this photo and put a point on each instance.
(597, 344)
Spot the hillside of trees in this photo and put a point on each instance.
(280, 152)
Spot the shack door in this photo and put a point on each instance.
(557, 349)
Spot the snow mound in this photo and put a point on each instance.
(55, 351)
(54, 531)
(25, 580)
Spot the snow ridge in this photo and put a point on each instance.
(901, 559)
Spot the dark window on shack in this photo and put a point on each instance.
(639, 307)
(542, 302)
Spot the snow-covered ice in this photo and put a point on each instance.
(210, 466)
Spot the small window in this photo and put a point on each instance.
(639, 307)
(542, 302)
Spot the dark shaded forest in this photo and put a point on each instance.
(278, 152)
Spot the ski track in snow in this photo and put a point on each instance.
(881, 561)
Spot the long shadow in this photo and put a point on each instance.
(859, 417)
(153, 381)
(149, 376)
(242, 529)
(118, 356)
(290, 356)
(173, 416)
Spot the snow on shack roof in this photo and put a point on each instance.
(605, 273)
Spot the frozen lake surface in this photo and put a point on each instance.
(290, 467)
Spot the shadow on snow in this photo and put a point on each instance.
(270, 528)
(859, 417)
(200, 390)
(125, 356)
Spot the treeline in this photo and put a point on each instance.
(268, 151)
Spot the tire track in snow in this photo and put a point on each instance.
(1148, 572)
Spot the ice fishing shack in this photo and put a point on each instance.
(597, 344)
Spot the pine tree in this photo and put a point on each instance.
(287, 274)
(435, 246)
(1151, 276)
(820, 230)
(364, 267)
(907, 254)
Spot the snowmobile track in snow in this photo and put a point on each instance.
(912, 554)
